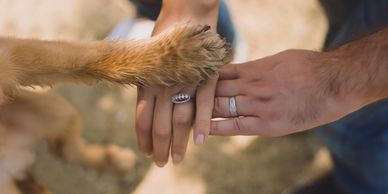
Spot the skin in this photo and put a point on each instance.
(161, 125)
(289, 92)
(297, 90)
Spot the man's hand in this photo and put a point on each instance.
(159, 123)
(297, 89)
(280, 95)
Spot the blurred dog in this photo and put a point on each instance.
(185, 54)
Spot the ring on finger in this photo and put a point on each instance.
(233, 106)
(181, 98)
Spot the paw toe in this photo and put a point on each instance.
(122, 160)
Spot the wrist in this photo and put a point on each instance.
(345, 76)
(198, 11)
(196, 7)
(335, 84)
(195, 12)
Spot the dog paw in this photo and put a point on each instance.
(120, 160)
(189, 54)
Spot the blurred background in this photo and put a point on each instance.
(243, 165)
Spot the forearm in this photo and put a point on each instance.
(197, 8)
(359, 68)
(193, 11)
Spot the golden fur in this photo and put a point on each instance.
(185, 54)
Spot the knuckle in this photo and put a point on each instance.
(182, 119)
(239, 126)
(142, 128)
(140, 96)
(206, 101)
(238, 70)
(215, 129)
(162, 134)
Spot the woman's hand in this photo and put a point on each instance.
(282, 94)
(160, 123)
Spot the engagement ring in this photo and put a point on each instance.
(180, 98)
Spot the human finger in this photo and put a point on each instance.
(144, 119)
(237, 126)
(228, 71)
(182, 120)
(229, 88)
(222, 107)
(161, 127)
(204, 109)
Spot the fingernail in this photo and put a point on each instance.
(160, 164)
(148, 155)
(177, 158)
(199, 139)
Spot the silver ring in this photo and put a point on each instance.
(180, 98)
(233, 106)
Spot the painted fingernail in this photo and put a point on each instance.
(160, 164)
(199, 139)
(177, 158)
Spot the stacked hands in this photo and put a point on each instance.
(288, 92)
(291, 91)
(273, 96)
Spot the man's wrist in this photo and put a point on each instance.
(358, 69)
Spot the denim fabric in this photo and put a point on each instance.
(358, 142)
(225, 27)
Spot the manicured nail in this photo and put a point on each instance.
(160, 164)
(199, 139)
(177, 158)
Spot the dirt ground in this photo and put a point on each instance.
(244, 165)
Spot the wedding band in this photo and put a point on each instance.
(233, 106)
(180, 98)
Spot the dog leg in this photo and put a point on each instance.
(72, 148)
(8, 187)
(28, 185)
(184, 54)
(16, 156)
(52, 118)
